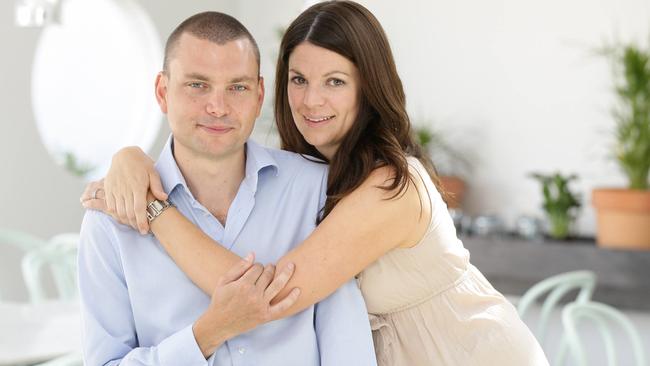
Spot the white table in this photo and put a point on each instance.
(35, 333)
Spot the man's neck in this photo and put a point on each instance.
(214, 182)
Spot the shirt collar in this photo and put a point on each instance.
(257, 159)
(170, 174)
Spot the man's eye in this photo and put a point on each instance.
(298, 80)
(196, 85)
(239, 88)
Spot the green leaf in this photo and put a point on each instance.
(559, 202)
(632, 116)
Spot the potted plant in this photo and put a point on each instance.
(560, 204)
(448, 161)
(623, 215)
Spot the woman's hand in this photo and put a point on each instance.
(242, 301)
(124, 190)
(93, 197)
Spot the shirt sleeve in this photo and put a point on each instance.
(343, 328)
(109, 333)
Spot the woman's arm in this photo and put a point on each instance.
(361, 228)
(192, 250)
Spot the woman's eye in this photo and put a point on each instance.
(336, 82)
(299, 80)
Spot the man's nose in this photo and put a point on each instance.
(217, 104)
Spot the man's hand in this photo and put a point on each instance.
(242, 301)
(123, 193)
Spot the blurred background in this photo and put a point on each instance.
(517, 102)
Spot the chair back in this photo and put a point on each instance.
(60, 255)
(72, 359)
(20, 240)
(555, 287)
(603, 316)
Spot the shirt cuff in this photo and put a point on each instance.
(181, 349)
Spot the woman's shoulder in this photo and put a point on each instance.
(381, 176)
(405, 206)
(385, 175)
(380, 184)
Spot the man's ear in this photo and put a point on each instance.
(161, 90)
(260, 91)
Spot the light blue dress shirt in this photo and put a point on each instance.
(138, 307)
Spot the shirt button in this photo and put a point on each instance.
(242, 350)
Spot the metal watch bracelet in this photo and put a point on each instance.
(156, 207)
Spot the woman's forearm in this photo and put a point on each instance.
(201, 258)
(204, 260)
(338, 249)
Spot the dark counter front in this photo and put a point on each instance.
(513, 265)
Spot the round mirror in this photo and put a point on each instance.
(93, 83)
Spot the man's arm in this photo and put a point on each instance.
(343, 329)
(109, 334)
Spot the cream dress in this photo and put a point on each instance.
(429, 306)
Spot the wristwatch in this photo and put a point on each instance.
(156, 207)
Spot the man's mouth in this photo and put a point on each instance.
(215, 129)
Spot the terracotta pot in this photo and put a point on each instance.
(455, 188)
(623, 218)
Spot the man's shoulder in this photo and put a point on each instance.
(94, 219)
(297, 164)
(98, 225)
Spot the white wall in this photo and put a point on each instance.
(516, 86)
(512, 83)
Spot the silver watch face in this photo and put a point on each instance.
(155, 208)
(157, 205)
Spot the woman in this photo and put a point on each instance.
(339, 98)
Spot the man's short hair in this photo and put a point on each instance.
(213, 26)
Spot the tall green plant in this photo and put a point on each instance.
(632, 115)
(560, 204)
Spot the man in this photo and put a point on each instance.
(138, 307)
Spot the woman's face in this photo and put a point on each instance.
(323, 94)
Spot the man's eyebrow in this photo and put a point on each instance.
(243, 79)
(197, 76)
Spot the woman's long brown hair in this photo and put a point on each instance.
(381, 135)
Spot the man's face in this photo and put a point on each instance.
(212, 95)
